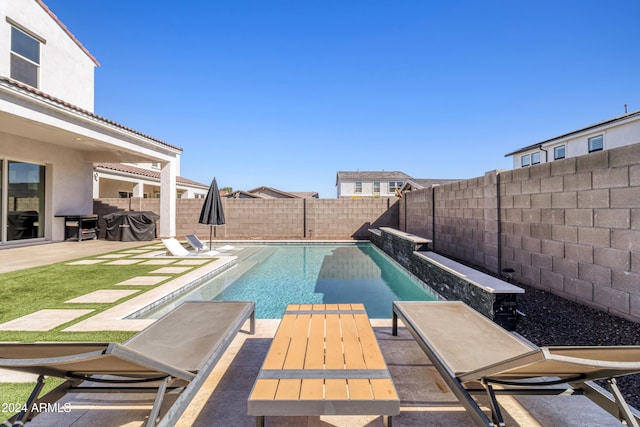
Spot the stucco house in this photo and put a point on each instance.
(616, 132)
(126, 180)
(49, 135)
(357, 184)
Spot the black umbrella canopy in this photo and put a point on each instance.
(211, 213)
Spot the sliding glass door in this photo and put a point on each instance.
(24, 203)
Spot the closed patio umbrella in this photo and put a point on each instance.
(211, 212)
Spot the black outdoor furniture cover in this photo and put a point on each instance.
(131, 226)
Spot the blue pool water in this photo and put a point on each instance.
(274, 276)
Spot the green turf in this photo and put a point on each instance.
(48, 287)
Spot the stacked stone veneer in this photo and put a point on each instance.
(274, 219)
(412, 253)
(571, 226)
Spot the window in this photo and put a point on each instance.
(25, 200)
(535, 158)
(596, 143)
(525, 160)
(358, 187)
(394, 185)
(558, 152)
(376, 187)
(25, 57)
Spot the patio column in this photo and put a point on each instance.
(138, 189)
(168, 199)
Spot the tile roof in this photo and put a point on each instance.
(18, 87)
(635, 114)
(120, 167)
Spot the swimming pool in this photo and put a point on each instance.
(276, 275)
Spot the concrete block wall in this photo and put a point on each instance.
(274, 219)
(571, 227)
(460, 217)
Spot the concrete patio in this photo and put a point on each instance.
(425, 399)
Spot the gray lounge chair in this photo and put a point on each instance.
(472, 354)
(175, 248)
(174, 354)
(196, 243)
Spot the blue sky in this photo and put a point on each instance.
(287, 93)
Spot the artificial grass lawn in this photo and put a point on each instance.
(48, 287)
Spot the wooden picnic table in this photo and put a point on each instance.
(324, 360)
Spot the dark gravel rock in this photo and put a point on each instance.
(552, 320)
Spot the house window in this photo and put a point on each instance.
(558, 152)
(376, 187)
(358, 187)
(25, 202)
(596, 143)
(25, 57)
(535, 158)
(125, 194)
(525, 160)
(394, 185)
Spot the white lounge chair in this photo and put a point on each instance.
(175, 248)
(199, 245)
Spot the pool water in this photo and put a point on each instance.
(274, 276)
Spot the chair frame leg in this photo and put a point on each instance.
(623, 406)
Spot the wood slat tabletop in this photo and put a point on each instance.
(324, 360)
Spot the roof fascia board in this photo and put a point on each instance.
(67, 32)
(602, 126)
(49, 112)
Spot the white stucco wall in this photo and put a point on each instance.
(69, 185)
(347, 189)
(66, 71)
(617, 135)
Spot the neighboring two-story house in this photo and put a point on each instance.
(612, 133)
(370, 183)
(380, 183)
(49, 135)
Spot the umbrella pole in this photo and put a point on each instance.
(210, 231)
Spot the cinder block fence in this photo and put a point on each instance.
(571, 227)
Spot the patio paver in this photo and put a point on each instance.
(143, 280)
(158, 262)
(123, 262)
(43, 320)
(86, 262)
(114, 256)
(103, 296)
(192, 262)
(136, 251)
(170, 270)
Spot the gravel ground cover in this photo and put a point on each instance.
(552, 320)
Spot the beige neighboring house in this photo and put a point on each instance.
(356, 184)
(380, 183)
(50, 136)
(271, 193)
(616, 132)
(126, 180)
